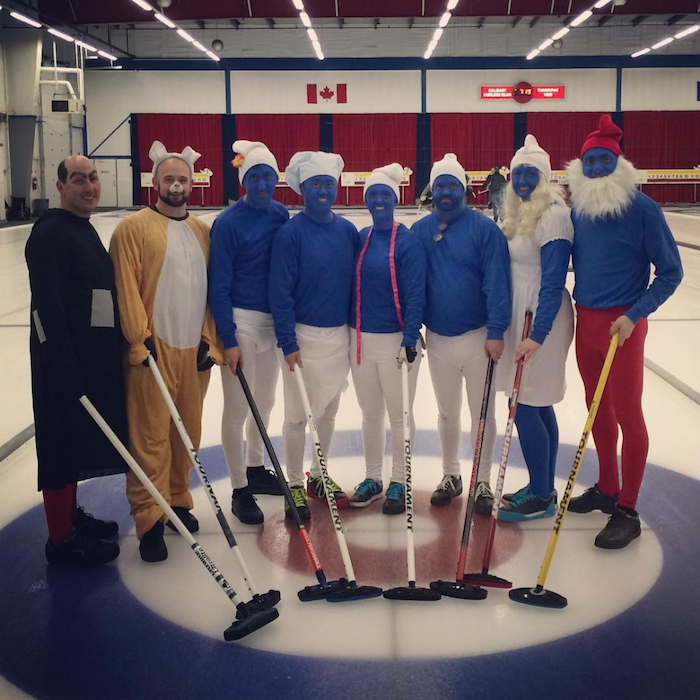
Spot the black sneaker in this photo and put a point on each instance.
(484, 498)
(591, 500)
(395, 501)
(99, 528)
(188, 520)
(263, 481)
(446, 490)
(301, 501)
(623, 527)
(81, 548)
(244, 507)
(152, 546)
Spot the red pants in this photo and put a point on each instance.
(621, 404)
(60, 506)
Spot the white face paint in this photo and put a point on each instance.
(176, 188)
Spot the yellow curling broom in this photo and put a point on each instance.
(539, 595)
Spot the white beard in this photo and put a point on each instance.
(597, 197)
(522, 216)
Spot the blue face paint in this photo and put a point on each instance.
(448, 196)
(598, 162)
(260, 182)
(525, 179)
(319, 195)
(381, 202)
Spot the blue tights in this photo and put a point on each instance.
(539, 439)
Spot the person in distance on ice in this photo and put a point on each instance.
(238, 280)
(311, 273)
(618, 234)
(75, 348)
(160, 257)
(539, 232)
(467, 312)
(385, 318)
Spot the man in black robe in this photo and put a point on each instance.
(76, 350)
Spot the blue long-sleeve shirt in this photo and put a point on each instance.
(311, 275)
(241, 244)
(468, 275)
(612, 258)
(554, 258)
(378, 308)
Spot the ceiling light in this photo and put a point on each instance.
(319, 55)
(452, 4)
(87, 47)
(26, 20)
(298, 4)
(305, 19)
(438, 34)
(164, 20)
(143, 5)
(636, 54)
(197, 45)
(663, 42)
(432, 45)
(60, 35)
(312, 34)
(601, 3)
(317, 46)
(562, 32)
(445, 19)
(545, 44)
(185, 35)
(109, 56)
(688, 31)
(581, 18)
(213, 56)
(532, 54)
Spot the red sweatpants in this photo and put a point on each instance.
(621, 404)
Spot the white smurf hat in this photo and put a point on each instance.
(390, 175)
(532, 154)
(449, 165)
(251, 153)
(308, 164)
(159, 153)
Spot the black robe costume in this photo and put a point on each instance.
(76, 348)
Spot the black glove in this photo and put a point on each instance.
(204, 362)
(151, 347)
(406, 354)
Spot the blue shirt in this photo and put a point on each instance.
(468, 275)
(612, 258)
(554, 257)
(378, 308)
(311, 274)
(241, 243)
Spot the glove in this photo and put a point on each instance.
(151, 347)
(204, 361)
(406, 355)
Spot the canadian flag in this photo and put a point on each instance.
(327, 93)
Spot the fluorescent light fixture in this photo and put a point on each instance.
(60, 35)
(197, 45)
(299, 5)
(581, 18)
(427, 55)
(562, 32)
(143, 5)
(87, 47)
(432, 45)
(109, 56)
(312, 34)
(317, 46)
(164, 20)
(452, 4)
(445, 19)
(438, 34)
(686, 32)
(641, 52)
(117, 67)
(663, 42)
(26, 20)
(601, 3)
(532, 54)
(319, 55)
(185, 35)
(305, 19)
(213, 56)
(545, 44)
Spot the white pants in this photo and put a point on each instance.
(377, 382)
(256, 338)
(324, 354)
(449, 360)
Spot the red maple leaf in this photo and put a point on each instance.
(326, 93)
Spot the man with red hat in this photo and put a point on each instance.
(618, 233)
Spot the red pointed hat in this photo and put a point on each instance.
(607, 135)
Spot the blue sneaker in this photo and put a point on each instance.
(366, 492)
(395, 502)
(525, 505)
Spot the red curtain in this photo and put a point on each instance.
(561, 134)
(200, 131)
(284, 135)
(664, 140)
(368, 141)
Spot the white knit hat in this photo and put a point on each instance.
(389, 175)
(532, 154)
(449, 165)
(159, 153)
(251, 153)
(308, 164)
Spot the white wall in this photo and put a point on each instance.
(284, 92)
(660, 89)
(460, 90)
